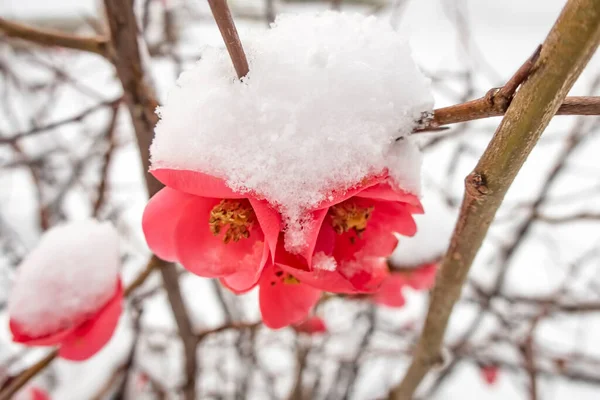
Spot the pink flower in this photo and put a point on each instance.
(211, 230)
(351, 236)
(311, 326)
(32, 393)
(390, 293)
(490, 373)
(283, 299)
(84, 336)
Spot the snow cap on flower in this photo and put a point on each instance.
(67, 291)
(326, 98)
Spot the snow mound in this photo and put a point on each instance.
(434, 230)
(72, 272)
(326, 98)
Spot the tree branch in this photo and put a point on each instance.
(92, 44)
(142, 103)
(232, 41)
(565, 52)
(488, 106)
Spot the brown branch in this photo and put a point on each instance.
(528, 352)
(92, 44)
(18, 382)
(53, 125)
(585, 216)
(488, 106)
(142, 103)
(110, 138)
(565, 52)
(228, 326)
(232, 41)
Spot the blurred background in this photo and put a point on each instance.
(530, 312)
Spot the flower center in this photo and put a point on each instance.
(348, 216)
(285, 278)
(237, 215)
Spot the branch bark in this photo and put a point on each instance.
(565, 52)
(142, 103)
(49, 38)
(224, 21)
(488, 106)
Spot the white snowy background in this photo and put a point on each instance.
(541, 267)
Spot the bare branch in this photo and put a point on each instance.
(487, 107)
(142, 104)
(92, 44)
(232, 41)
(53, 125)
(565, 52)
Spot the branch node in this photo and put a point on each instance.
(476, 186)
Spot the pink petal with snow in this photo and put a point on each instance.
(196, 183)
(91, 336)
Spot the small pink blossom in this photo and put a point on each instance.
(85, 335)
(312, 325)
(357, 230)
(212, 231)
(490, 373)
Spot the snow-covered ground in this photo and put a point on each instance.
(466, 47)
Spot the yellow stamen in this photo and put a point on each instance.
(348, 216)
(290, 280)
(238, 215)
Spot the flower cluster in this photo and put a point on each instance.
(293, 179)
(215, 232)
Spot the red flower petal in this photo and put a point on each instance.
(281, 303)
(339, 196)
(390, 293)
(247, 277)
(329, 281)
(195, 183)
(161, 216)
(378, 240)
(316, 238)
(207, 255)
(19, 336)
(422, 278)
(490, 373)
(269, 221)
(38, 394)
(311, 326)
(383, 191)
(365, 275)
(90, 337)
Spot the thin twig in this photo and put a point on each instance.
(565, 52)
(110, 138)
(93, 44)
(53, 125)
(487, 107)
(224, 21)
(141, 101)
